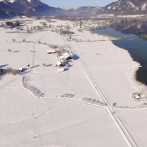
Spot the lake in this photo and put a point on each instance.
(136, 46)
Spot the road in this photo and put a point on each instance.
(111, 111)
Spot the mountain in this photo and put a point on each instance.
(84, 11)
(121, 7)
(10, 8)
(126, 7)
(27, 7)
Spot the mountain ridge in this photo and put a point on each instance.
(121, 7)
(127, 7)
(9, 8)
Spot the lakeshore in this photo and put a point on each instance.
(136, 47)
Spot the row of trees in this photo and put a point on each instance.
(10, 24)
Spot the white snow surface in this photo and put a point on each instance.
(144, 6)
(12, 1)
(56, 121)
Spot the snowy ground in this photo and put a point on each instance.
(103, 72)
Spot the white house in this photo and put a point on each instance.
(65, 56)
(60, 63)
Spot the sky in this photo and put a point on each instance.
(67, 4)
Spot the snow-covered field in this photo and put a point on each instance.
(45, 108)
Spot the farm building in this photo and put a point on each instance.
(60, 64)
(65, 56)
(139, 97)
(22, 69)
(60, 70)
(51, 51)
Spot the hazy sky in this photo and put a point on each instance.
(76, 3)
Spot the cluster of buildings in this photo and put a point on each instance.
(64, 57)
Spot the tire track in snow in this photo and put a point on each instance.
(115, 117)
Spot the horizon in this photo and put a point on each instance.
(74, 4)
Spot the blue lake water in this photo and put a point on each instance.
(136, 46)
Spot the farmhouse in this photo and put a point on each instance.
(60, 64)
(65, 56)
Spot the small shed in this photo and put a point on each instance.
(139, 97)
(22, 69)
(136, 96)
(60, 69)
(51, 51)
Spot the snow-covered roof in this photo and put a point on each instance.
(59, 63)
(51, 51)
(64, 56)
(136, 95)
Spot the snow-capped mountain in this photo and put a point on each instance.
(84, 11)
(121, 7)
(37, 8)
(127, 7)
(27, 7)
(88, 11)
(12, 1)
